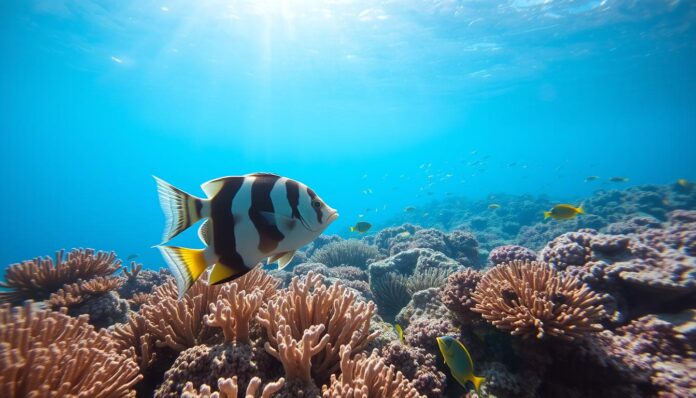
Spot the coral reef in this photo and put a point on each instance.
(350, 252)
(45, 353)
(510, 253)
(138, 281)
(36, 279)
(229, 389)
(418, 366)
(304, 314)
(368, 377)
(456, 294)
(459, 245)
(531, 299)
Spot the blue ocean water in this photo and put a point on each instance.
(376, 105)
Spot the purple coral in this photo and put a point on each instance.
(418, 366)
(456, 294)
(510, 253)
(422, 332)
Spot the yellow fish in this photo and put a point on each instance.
(494, 206)
(361, 227)
(684, 183)
(400, 333)
(458, 359)
(563, 212)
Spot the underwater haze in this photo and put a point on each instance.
(376, 105)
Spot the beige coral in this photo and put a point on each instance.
(368, 377)
(38, 278)
(77, 293)
(305, 304)
(533, 299)
(49, 354)
(296, 356)
(233, 312)
(229, 389)
(134, 334)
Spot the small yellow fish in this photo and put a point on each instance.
(494, 206)
(458, 359)
(591, 178)
(684, 183)
(400, 333)
(563, 212)
(409, 209)
(618, 179)
(361, 227)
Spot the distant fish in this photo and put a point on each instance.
(494, 206)
(131, 257)
(404, 234)
(618, 179)
(361, 227)
(250, 218)
(684, 183)
(591, 178)
(400, 333)
(563, 212)
(409, 209)
(458, 359)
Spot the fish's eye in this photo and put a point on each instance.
(316, 204)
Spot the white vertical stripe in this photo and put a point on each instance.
(246, 236)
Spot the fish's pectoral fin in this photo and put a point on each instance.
(477, 382)
(186, 265)
(285, 259)
(204, 232)
(272, 259)
(222, 273)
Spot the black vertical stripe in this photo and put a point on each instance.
(223, 224)
(199, 207)
(269, 234)
(292, 191)
(317, 210)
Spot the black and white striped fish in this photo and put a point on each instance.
(249, 218)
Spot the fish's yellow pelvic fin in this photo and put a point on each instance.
(547, 214)
(285, 259)
(180, 209)
(186, 265)
(222, 273)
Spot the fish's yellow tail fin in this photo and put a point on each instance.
(181, 210)
(186, 265)
(547, 214)
(580, 209)
(352, 229)
(477, 382)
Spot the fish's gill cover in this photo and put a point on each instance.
(531, 299)
(33, 342)
(368, 376)
(306, 313)
(37, 278)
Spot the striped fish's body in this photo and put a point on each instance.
(249, 218)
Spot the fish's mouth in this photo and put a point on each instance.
(332, 217)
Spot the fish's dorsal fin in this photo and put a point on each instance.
(262, 174)
(285, 259)
(204, 232)
(468, 356)
(212, 187)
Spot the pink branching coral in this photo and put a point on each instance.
(77, 293)
(229, 389)
(38, 278)
(46, 353)
(233, 311)
(365, 376)
(309, 303)
(532, 299)
(134, 334)
(296, 356)
(132, 274)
